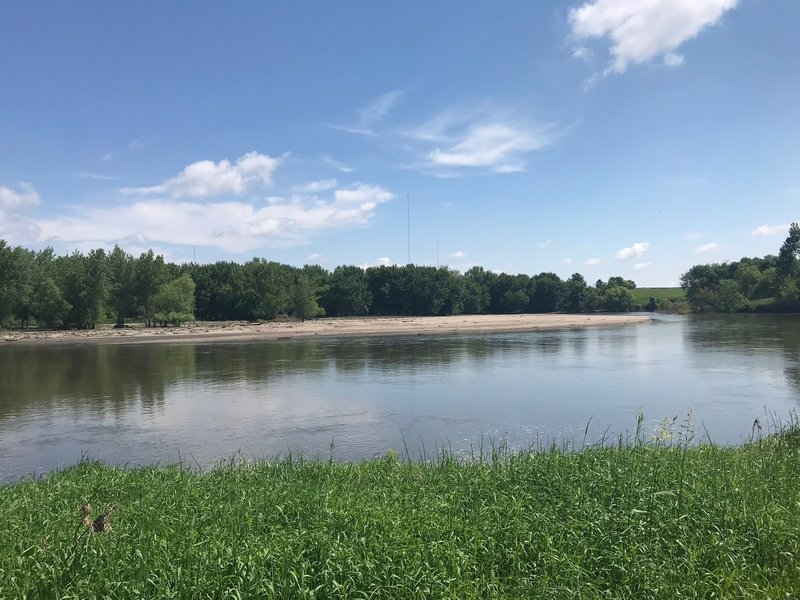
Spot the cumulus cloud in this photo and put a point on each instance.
(457, 254)
(24, 195)
(593, 261)
(710, 247)
(230, 226)
(692, 236)
(566, 261)
(641, 265)
(769, 230)
(206, 178)
(314, 258)
(544, 244)
(635, 251)
(640, 31)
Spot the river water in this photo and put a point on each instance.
(201, 403)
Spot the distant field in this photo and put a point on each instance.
(644, 294)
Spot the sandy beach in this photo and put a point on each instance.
(341, 327)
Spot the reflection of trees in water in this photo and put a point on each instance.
(749, 334)
(271, 361)
(121, 378)
(98, 377)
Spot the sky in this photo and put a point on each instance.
(605, 137)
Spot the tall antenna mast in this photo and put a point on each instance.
(408, 218)
(437, 254)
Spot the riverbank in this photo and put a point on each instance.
(340, 327)
(638, 521)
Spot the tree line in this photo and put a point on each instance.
(768, 284)
(82, 290)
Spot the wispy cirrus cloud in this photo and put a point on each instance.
(98, 176)
(770, 230)
(206, 178)
(640, 31)
(138, 143)
(455, 142)
(371, 115)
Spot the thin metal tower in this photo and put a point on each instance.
(408, 218)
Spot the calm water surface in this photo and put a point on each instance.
(145, 404)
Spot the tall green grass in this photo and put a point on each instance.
(626, 520)
(661, 294)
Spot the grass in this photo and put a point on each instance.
(643, 295)
(628, 520)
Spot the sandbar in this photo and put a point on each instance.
(231, 331)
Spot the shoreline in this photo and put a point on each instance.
(348, 327)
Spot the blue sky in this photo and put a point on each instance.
(606, 137)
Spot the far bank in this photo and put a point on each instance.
(339, 327)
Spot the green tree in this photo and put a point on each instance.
(149, 274)
(547, 292)
(787, 256)
(173, 304)
(347, 293)
(122, 296)
(304, 299)
(576, 294)
(618, 298)
(728, 297)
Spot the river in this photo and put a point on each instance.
(201, 403)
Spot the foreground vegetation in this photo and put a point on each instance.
(636, 520)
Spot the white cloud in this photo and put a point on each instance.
(140, 142)
(581, 52)
(457, 254)
(480, 138)
(635, 251)
(82, 175)
(593, 261)
(230, 226)
(641, 265)
(544, 244)
(710, 247)
(496, 146)
(673, 60)
(640, 31)
(317, 186)
(768, 230)
(107, 156)
(566, 261)
(385, 262)
(207, 178)
(24, 195)
(314, 258)
(692, 236)
(371, 115)
(328, 161)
